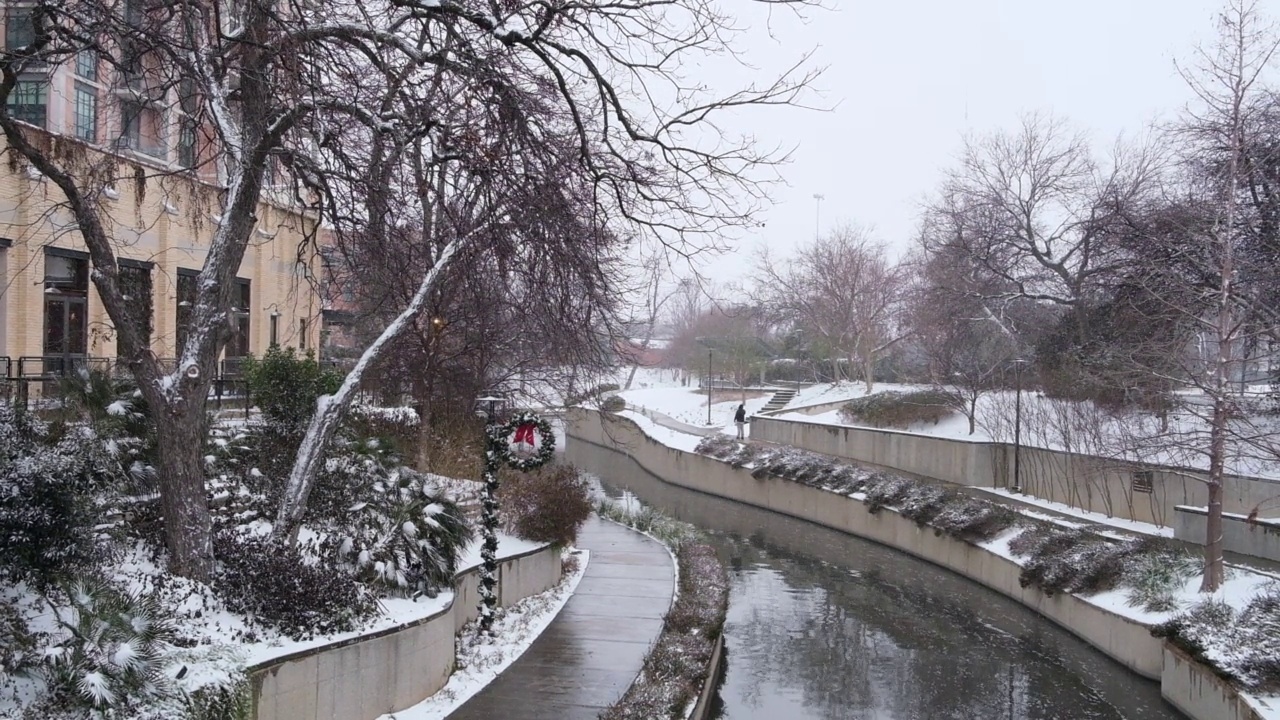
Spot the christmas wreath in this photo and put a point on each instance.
(506, 439)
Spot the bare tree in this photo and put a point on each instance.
(1039, 211)
(656, 293)
(843, 292)
(968, 347)
(280, 85)
(1226, 81)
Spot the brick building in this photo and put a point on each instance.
(162, 205)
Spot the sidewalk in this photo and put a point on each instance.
(589, 655)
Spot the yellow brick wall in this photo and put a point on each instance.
(169, 223)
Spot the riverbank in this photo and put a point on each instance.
(1124, 639)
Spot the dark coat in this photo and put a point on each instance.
(741, 415)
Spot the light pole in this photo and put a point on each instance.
(1017, 426)
(817, 215)
(709, 351)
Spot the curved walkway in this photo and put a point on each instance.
(589, 655)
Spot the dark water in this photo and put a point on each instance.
(824, 625)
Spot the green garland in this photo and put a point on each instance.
(500, 442)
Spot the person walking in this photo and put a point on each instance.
(740, 419)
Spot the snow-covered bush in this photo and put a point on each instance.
(277, 585)
(106, 654)
(230, 701)
(893, 409)
(1154, 578)
(724, 447)
(49, 500)
(119, 417)
(396, 427)
(405, 535)
(18, 645)
(548, 504)
(1243, 646)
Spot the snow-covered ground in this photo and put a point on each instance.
(480, 660)
(223, 642)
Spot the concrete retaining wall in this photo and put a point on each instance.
(702, 710)
(1191, 687)
(1260, 539)
(1088, 482)
(1198, 692)
(388, 671)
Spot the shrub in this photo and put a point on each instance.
(732, 451)
(285, 386)
(277, 586)
(405, 536)
(1243, 646)
(546, 505)
(897, 409)
(107, 652)
(613, 404)
(48, 501)
(396, 427)
(19, 647)
(229, 701)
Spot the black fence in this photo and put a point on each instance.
(40, 378)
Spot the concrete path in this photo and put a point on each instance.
(589, 655)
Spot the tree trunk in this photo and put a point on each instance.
(973, 414)
(1214, 573)
(835, 369)
(184, 503)
(868, 371)
(329, 408)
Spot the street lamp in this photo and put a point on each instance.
(1017, 425)
(817, 215)
(709, 387)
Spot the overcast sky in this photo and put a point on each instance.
(909, 79)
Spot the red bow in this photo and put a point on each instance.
(524, 433)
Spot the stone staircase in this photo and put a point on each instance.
(779, 400)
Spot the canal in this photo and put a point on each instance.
(825, 625)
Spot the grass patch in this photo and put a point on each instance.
(893, 409)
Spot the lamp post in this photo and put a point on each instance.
(1017, 425)
(817, 215)
(709, 351)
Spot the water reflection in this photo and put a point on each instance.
(823, 625)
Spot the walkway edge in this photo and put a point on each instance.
(1126, 641)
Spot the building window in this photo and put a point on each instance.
(302, 334)
(142, 129)
(86, 112)
(187, 144)
(238, 346)
(66, 325)
(135, 286)
(275, 329)
(29, 101)
(19, 27)
(87, 64)
(186, 306)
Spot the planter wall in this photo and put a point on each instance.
(388, 671)
(1260, 539)
(1135, 491)
(1126, 641)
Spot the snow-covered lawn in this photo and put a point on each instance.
(480, 660)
